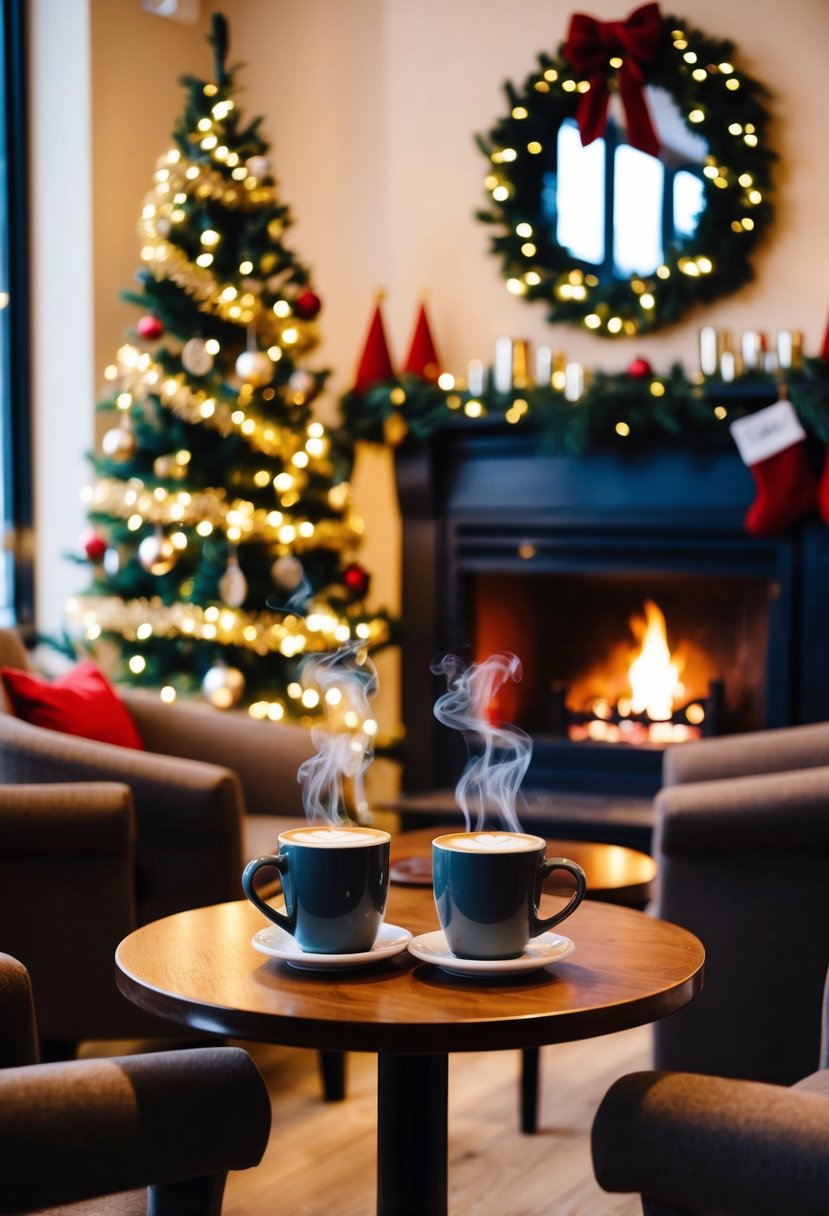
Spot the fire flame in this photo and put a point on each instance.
(654, 674)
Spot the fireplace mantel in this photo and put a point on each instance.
(488, 498)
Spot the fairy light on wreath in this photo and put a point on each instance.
(715, 99)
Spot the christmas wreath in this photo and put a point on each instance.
(715, 99)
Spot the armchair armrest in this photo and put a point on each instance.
(113, 1125)
(764, 751)
(188, 814)
(705, 1144)
(264, 755)
(18, 1042)
(759, 813)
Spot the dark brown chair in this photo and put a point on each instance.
(105, 1130)
(742, 851)
(693, 1145)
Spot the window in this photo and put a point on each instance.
(16, 583)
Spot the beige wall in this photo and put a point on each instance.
(371, 107)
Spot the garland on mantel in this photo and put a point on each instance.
(636, 409)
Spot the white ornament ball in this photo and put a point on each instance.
(157, 554)
(233, 586)
(255, 367)
(118, 444)
(259, 166)
(196, 358)
(112, 562)
(302, 384)
(287, 573)
(223, 686)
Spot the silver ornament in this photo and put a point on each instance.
(303, 385)
(157, 554)
(196, 358)
(255, 367)
(118, 444)
(258, 166)
(233, 586)
(287, 572)
(223, 686)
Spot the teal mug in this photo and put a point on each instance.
(336, 884)
(487, 889)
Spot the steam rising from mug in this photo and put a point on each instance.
(492, 777)
(344, 680)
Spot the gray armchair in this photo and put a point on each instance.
(173, 1122)
(692, 1145)
(151, 832)
(743, 862)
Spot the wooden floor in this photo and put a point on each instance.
(321, 1157)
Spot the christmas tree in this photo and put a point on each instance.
(221, 535)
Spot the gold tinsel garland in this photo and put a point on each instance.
(263, 633)
(165, 260)
(141, 377)
(184, 508)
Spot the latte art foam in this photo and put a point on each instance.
(334, 838)
(490, 842)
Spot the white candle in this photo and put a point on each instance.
(754, 345)
(789, 348)
(475, 377)
(543, 366)
(573, 381)
(708, 350)
(727, 365)
(502, 373)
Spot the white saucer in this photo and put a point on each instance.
(276, 943)
(542, 951)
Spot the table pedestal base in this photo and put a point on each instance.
(412, 1094)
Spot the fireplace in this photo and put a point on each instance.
(556, 558)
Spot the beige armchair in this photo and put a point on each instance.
(98, 1130)
(742, 850)
(691, 1144)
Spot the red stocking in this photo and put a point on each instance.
(772, 443)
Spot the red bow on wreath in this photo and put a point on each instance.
(589, 47)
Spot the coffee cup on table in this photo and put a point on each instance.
(487, 890)
(336, 884)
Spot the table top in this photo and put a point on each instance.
(615, 874)
(199, 968)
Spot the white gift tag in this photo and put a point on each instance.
(767, 432)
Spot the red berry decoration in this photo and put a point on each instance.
(307, 305)
(149, 328)
(640, 368)
(356, 580)
(94, 546)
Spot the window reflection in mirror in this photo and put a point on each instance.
(617, 209)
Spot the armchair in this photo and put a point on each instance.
(203, 777)
(175, 1122)
(742, 850)
(692, 1144)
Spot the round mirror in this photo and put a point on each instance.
(631, 177)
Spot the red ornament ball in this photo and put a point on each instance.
(640, 368)
(94, 545)
(307, 305)
(149, 328)
(356, 580)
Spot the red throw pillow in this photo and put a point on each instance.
(81, 702)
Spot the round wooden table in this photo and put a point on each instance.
(200, 969)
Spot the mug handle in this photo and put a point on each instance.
(547, 867)
(277, 862)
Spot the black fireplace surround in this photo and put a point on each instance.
(486, 501)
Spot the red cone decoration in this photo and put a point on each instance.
(375, 364)
(423, 358)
